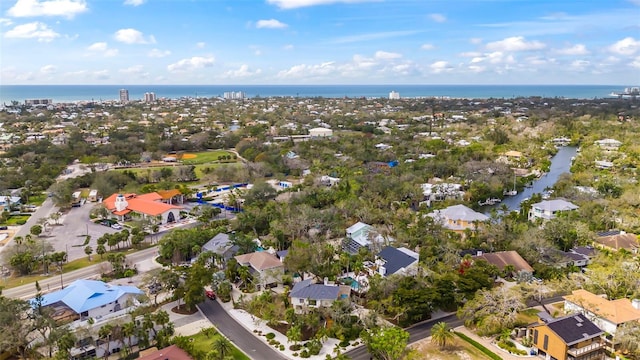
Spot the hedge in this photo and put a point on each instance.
(479, 346)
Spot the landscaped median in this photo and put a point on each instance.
(208, 341)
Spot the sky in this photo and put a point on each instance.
(265, 42)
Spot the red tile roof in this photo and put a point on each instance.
(172, 352)
(504, 258)
(148, 204)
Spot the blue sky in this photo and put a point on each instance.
(320, 42)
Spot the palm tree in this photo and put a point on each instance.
(441, 334)
(222, 346)
(128, 330)
(104, 334)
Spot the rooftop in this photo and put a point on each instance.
(616, 311)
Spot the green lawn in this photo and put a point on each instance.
(14, 220)
(70, 266)
(203, 343)
(199, 168)
(37, 199)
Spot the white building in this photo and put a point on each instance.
(548, 209)
(124, 95)
(320, 132)
(149, 97)
(394, 95)
(233, 95)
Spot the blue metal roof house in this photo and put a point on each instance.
(91, 298)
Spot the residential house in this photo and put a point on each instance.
(400, 261)
(172, 352)
(363, 235)
(502, 259)
(85, 299)
(150, 206)
(572, 337)
(458, 218)
(441, 192)
(618, 240)
(266, 268)
(548, 209)
(603, 164)
(222, 246)
(608, 144)
(8, 201)
(306, 295)
(608, 315)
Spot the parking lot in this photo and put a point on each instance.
(74, 226)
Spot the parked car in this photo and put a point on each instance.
(210, 294)
(4, 228)
(116, 226)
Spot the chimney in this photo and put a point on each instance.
(479, 253)
(635, 303)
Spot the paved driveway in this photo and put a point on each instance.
(237, 334)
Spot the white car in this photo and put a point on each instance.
(116, 226)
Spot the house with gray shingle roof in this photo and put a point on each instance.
(305, 294)
(222, 246)
(392, 261)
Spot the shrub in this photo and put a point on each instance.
(295, 347)
(295, 354)
(304, 354)
(281, 347)
(270, 336)
(314, 346)
(21, 222)
(344, 343)
(511, 347)
(479, 346)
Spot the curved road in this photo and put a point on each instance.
(237, 334)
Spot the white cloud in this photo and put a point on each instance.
(33, 30)
(475, 41)
(5, 22)
(270, 24)
(133, 36)
(427, 47)
(577, 49)
(201, 45)
(579, 65)
(515, 43)
(134, 2)
(135, 70)
(635, 63)
(440, 67)
(32, 8)
(471, 54)
(243, 71)
(293, 4)
(373, 36)
(101, 75)
(383, 55)
(476, 68)
(626, 46)
(102, 49)
(196, 62)
(308, 71)
(157, 53)
(439, 18)
(48, 69)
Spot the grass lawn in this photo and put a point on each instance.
(527, 316)
(199, 168)
(204, 157)
(37, 199)
(204, 343)
(14, 219)
(458, 350)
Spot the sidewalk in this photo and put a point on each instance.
(489, 344)
(186, 325)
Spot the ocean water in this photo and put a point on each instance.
(72, 93)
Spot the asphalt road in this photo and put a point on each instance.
(55, 281)
(241, 337)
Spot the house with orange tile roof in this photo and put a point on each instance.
(503, 258)
(149, 206)
(171, 197)
(609, 315)
(267, 269)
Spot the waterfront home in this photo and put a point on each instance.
(603, 164)
(458, 218)
(441, 192)
(573, 337)
(548, 209)
(363, 235)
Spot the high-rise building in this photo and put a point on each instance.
(124, 95)
(394, 95)
(233, 95)
(149, 97)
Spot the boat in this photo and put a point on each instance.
(513, 192)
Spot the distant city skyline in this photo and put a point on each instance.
(319, 42)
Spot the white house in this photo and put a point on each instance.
(362, 235)
(548, 209)
(608, 144)
(458, 218)
(400, 261)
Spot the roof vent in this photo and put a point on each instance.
(578, 319)
(579, 324)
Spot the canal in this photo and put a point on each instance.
(560, 163)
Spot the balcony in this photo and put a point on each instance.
(577, 352)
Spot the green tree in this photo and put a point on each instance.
(197, 277)
(294, 334)
(222, 347)
(35, 230)
(386, 343)
(441, 335)
(88, 250)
